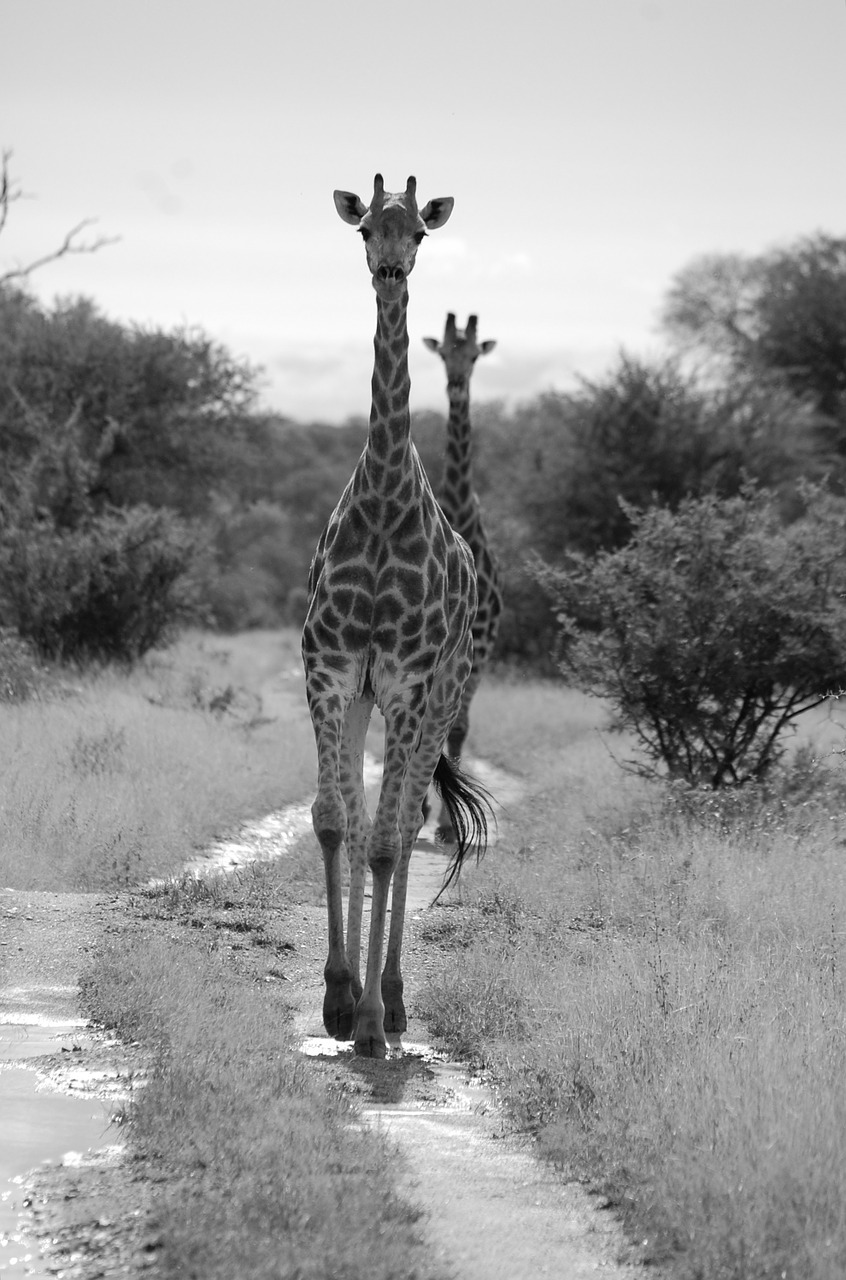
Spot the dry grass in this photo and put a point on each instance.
(255, 1166)
(257, 1169)
(119, 776)
(657, 988)
(659, 993)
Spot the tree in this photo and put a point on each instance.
(649, 433)
(640, 435)
(711, 630)
(168, 414)
(712, 305)
(782, 313)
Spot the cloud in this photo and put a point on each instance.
(510, 264)
(450, 255)
(444, 254)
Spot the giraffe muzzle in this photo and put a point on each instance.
(387, 274)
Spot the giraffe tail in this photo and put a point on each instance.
(470, 810)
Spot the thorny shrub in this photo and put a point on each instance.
(711, 631)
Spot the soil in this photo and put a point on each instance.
(493, 1209)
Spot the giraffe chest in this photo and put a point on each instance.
(389, 608)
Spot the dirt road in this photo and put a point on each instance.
(492, 1209)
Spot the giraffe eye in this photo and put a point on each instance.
(365, 234)
(419, 237)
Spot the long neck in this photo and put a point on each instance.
(389, 436)
(457, 488)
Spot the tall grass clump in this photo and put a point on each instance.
(23, 674)
(655, 983)
(121, 775)
(258, 1169)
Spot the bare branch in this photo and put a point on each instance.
(9, 193)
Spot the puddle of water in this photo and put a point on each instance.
(38, 1123)
(259, 841)
(35, 1005)
(324, 1047)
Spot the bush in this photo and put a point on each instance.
(711, 630)
(81, 580)
(113, 587)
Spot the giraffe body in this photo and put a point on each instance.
(459, 350)
(392, 594)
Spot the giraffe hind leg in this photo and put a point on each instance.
(423, 767)
(455, 745)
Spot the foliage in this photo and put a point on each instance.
(166, 413)
(168, 421)
(80, 583)
(782, 314)
(645, 433)
(112, 588)
(259, 564)
(712, 630)
(642, 435)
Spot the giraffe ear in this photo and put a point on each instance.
(437, 212)
(432, 344)
(349, 207)
(487, 345)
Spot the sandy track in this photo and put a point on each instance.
(492, 1209)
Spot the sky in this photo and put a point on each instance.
(593, 149)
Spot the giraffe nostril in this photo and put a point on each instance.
(398, 275)
(394, 275)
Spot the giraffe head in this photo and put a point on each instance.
(459, 349)
(392, 230)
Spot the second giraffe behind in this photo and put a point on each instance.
(392, 597)
(459, 351)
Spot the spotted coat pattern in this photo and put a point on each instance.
(459, 350)
(392, 597)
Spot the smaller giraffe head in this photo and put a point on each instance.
(459, 349)
(392, 230)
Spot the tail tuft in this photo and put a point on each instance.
(470, 810)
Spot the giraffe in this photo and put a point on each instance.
(392, 596)
(459, 351)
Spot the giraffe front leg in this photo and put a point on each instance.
(358, 828)
(369, 1034)
(328, 816)
(383, 856)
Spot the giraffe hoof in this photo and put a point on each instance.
(395, 1021)
(371, 1047)
(368, 1035)
(338, 1018)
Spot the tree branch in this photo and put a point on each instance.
(9, 194)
